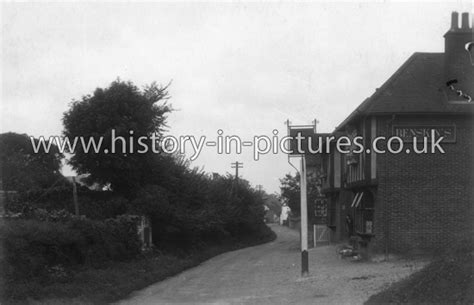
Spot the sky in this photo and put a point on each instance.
(244, 68)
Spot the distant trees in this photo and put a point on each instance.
(272, 201)
(23, 169)
(125, 111)
(290, 191)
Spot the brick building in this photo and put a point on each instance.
(406, 201)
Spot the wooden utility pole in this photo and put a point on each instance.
(315, 124)
(74, 196)
(237, 165)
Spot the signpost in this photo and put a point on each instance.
(307, 131)
(304, 219)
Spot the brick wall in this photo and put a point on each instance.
(425, 201)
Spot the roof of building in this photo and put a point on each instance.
(417, 87)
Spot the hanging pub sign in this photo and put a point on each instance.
(408, 132)
(304, 141)
(321, 210)
(306, 135)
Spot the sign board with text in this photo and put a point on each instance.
(321, 210)
(408, 132)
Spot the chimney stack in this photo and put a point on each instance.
(454, 21)
(465, 21)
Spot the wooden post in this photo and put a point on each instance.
(304, 219)
(314, 235)
(74, 196)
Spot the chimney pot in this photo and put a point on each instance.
(454, 20)
(465, 21)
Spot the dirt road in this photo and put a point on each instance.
(270, 274)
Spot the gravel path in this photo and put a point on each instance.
(270, 274)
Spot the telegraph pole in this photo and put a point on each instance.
(315, 124)
(237, 165)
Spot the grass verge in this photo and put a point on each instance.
(447, 280)
(113, 281)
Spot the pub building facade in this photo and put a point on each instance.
(408, 201)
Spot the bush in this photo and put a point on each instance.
(31, 247)
(191, 210)
(93, 204)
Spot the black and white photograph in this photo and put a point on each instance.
(237, 152)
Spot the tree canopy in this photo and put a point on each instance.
(290, 192)
(23, 169)
(122, 110)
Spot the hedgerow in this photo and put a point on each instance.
(31, 246)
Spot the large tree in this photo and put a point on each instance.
(22, 169)
(128, 112)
